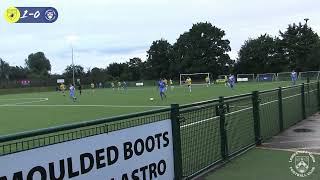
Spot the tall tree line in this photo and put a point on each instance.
(297, 48)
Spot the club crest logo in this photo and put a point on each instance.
(51, 15)
(12, 15)
(302, 163)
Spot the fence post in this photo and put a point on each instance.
(256, 117)
(223, 131)
(318, 93)
(280, 109)
(303, 102)
(175, 123)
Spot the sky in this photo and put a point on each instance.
(106, 31)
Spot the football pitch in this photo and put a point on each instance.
(25, 112)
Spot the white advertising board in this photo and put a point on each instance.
(242, 79)
(142, 152)
(139, 84)
(59, 81)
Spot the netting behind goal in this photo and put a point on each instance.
(266, 77)
(313, 75)
(197, 78)
(245, 77)
(284, 76)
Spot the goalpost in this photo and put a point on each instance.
(197, 78)
(245, 77)
(266, 77)
(313, 75)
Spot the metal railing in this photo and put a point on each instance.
(205, 134)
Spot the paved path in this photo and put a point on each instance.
(303, 136)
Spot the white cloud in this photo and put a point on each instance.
(116, 30)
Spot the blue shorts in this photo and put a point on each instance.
(162, 90)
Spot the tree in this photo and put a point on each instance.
(38, 64)
(117, 69)
(297, 43)
(313, 58)
(4, 70)
(202, 49)
(18, 72)
(259, 56)
(159, 57)
(135, 66)
(99, 75)
(78, 71)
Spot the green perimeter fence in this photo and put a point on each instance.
(206, 134)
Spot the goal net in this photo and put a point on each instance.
(197, 78)
(245, 77)
(313, 75)
(284, 76)
(266, 77)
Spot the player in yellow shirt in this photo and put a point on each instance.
(189, 83)
(119, 86)
(207, 79)
(92, 87)
(63, 89)
(112, 85)
(171, 84)
(166, 83)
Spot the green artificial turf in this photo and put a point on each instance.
(261, 164)
(32, 111)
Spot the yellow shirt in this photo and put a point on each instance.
(171, 82)
(92, 85)
(165, 81)
(189, 81)
(112, 84)
(207, 79)
(62, 87)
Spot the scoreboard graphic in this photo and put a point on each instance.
(31, 14)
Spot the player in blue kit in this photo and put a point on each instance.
(294, 77)
(72, 93)
(231, 81)
(162, 89)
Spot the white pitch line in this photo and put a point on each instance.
(245, 109)
(27, 102)
(80, 105)
(199, 122)
(20, 99)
